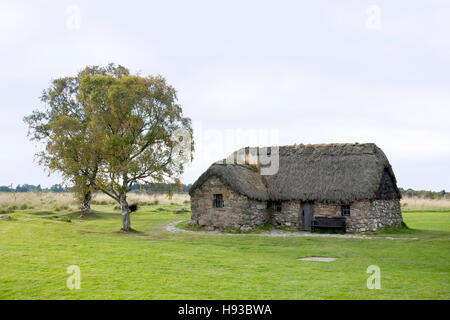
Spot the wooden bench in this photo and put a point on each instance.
(335, 223)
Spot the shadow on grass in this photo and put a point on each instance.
(407, 231)
(94, 215)
(131, 232)
(401, 232)
(438, 210)
(41, 213)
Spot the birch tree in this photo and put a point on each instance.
(140, 132)
(63, 129)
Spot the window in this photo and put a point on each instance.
(277, 205)
(218, 201)
(345, 211)
(274, 205)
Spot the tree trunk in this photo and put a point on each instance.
(126, 223)
(86, 204)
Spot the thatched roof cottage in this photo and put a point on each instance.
(352, 181)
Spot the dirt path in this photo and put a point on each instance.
(171, 227)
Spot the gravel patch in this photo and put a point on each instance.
(320, 259)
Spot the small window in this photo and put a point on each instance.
(269, 204)
(277, 206)
(345, 210)
(218, 201)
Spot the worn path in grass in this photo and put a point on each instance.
(174, 227)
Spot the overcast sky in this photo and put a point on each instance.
(248, 73)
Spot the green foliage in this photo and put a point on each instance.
(134, 120)
(108, 130)
(5, 189)
(63, 129)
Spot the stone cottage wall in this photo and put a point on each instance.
(385, 214)
(239, 212)
(365, 215)
(289, 215)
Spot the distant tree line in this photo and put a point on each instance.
(410, 193)
(158, 188)
(57, 188)
(168, 188)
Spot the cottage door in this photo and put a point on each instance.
(307, 213)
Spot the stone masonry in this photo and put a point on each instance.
(240, 212)
(289, 215)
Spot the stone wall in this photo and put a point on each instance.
(289, 215)
(239, 212)
(365, 215)
(385, 214)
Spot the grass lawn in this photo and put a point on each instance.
(36, 249)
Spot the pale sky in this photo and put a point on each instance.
(248, 73)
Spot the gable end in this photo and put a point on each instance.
(388, 189)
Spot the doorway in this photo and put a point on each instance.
(306, 215)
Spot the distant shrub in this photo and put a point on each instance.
(61, 207)
(101, 202)
(155, 202)
(24, 206)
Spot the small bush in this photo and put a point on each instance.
(24, 206)
(61, 207)
(101, 202)
(155, 202)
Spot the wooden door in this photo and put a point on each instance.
(307, 213)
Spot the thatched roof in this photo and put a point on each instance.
(327, 173)
(241, 178)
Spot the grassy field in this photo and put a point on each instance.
(37, 245)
